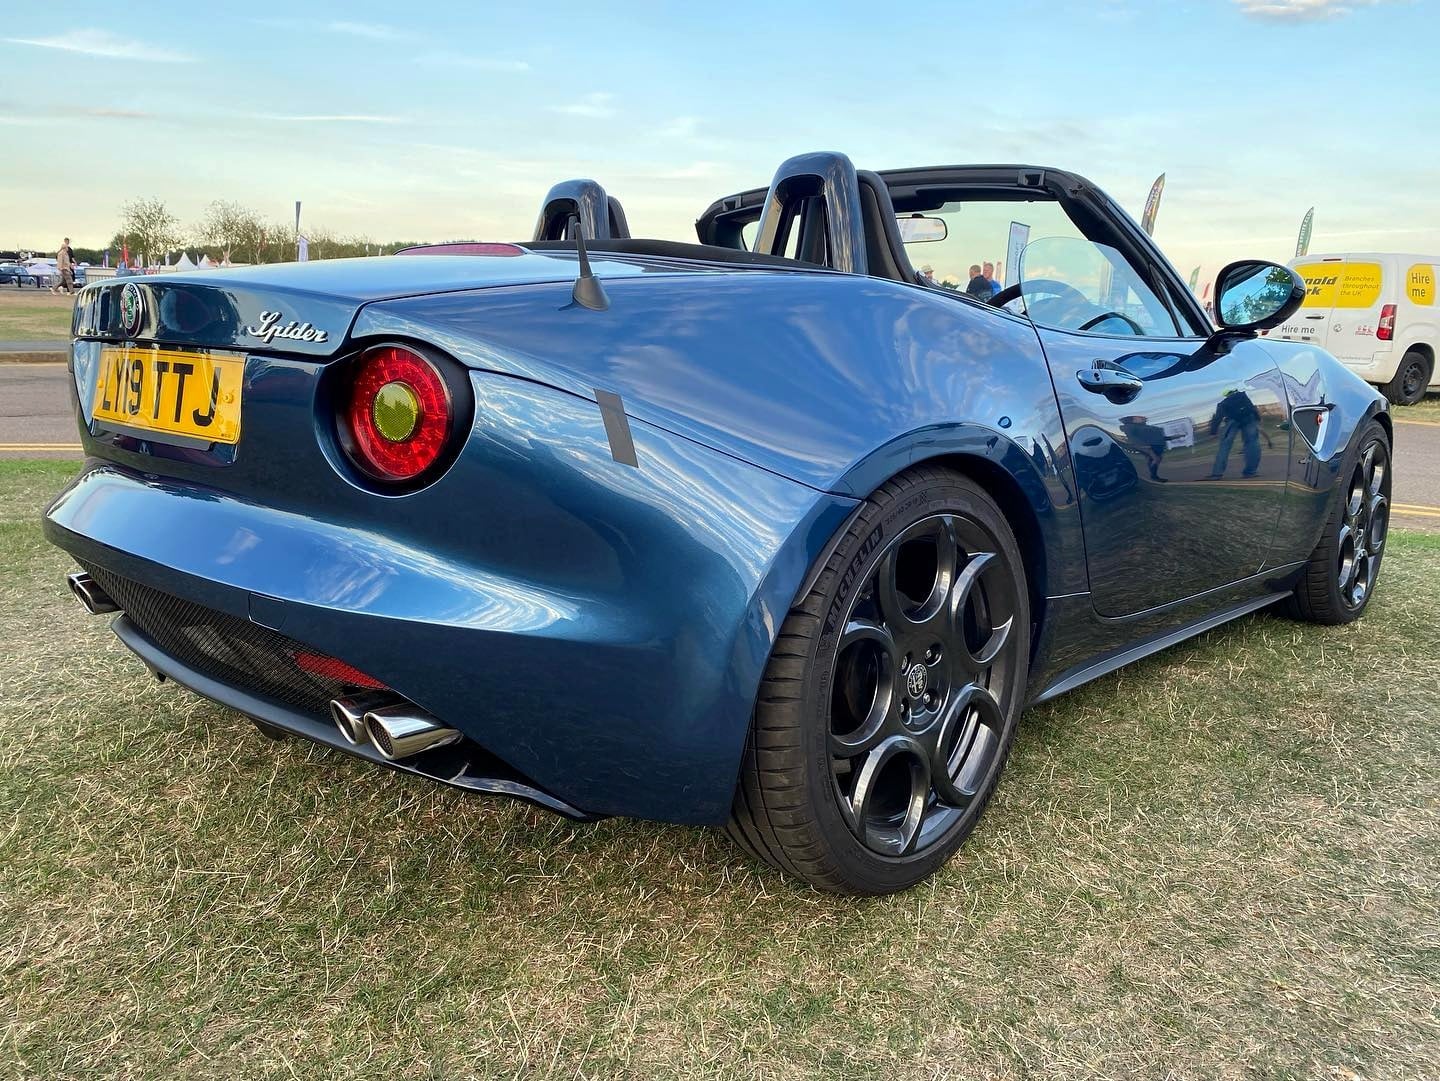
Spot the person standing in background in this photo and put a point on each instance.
(65, 263)
(979, 286)
(989, 272)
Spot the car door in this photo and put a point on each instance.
(1180, 448)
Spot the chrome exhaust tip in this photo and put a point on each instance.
(349, 712)
(96, 601)
(404, 730)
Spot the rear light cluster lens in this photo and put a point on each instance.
(1386, 329)
(398, 415)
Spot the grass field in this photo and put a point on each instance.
(1223, 862)
(1426, 409)
(34, 315)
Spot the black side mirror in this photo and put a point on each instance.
(1252, 295)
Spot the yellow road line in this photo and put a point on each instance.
(1418, 423)
(1419, 510)
(39, 446)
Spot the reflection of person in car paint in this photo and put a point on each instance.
(1236, 413)
(1148, 440)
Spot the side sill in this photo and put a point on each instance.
(1084, 673)
(1265, 574)
(299, 724)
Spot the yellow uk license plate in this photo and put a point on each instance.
(175, 391)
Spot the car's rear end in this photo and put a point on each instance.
(368, 541)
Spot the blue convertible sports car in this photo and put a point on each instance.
(770, 530)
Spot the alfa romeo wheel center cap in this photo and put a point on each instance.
(916, 680)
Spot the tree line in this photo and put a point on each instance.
(148, 229)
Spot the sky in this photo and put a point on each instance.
(443, 120)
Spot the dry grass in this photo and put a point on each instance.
(34, 315)
(1428, 408)
(1220, 863)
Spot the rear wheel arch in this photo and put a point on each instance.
(783, 811)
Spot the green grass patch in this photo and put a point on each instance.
(1220, 862)
(34, 315)
(1427, 408)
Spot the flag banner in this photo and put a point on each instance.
(1152, 205)
(303, 249)
(1194, 279)
(1019, 237)
(1302, 243)
(297, 215)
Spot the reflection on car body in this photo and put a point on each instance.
(768, 530)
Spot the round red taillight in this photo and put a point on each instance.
(399, 413)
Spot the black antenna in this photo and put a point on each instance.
(588, 291)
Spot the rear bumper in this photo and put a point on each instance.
(1377, 367)
(470, 770)
(630, 699)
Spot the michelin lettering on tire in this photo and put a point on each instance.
(851, 576)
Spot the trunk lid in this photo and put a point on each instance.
(297, 308)
(221, 377)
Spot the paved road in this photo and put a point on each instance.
(35, 409)
(29, 346)
(1417, 463)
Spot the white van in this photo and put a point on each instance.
(1377, 313)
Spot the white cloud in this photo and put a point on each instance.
(117, 114)
(696, 170)
(476, 63)
(373, 31)
(45, 115)
(682, 127)
(1301, 10)
(334, 118)
(594, 106)
(104, 43)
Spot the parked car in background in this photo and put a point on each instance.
(1377, 313)
(43, 271)
(17, 275)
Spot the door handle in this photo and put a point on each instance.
(1117, 385)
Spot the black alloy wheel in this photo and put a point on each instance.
(891, 697)
(1340, 577)
(915, 728)
(1365, 525)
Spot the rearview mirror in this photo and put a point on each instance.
(918, 229)
(1252, 295)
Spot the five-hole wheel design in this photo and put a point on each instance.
(1365, 522)
(916, 728)
(892, 693)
